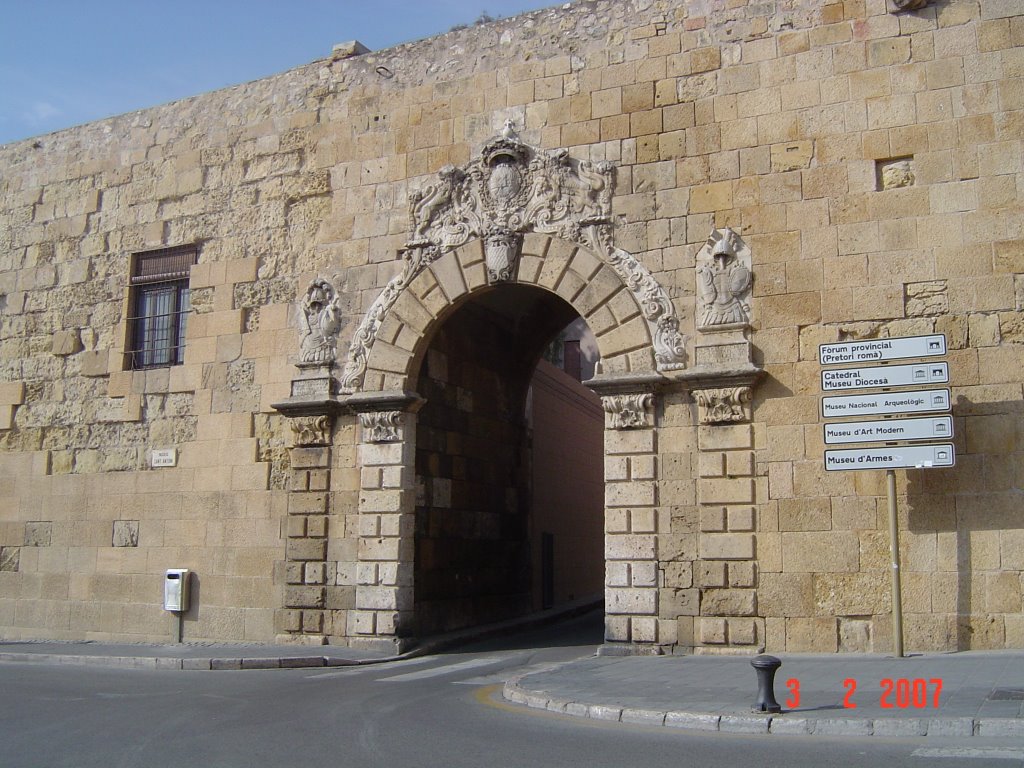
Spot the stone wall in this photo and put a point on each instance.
(870, 161)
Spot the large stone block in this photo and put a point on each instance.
(821, 552)
(631, 601)
(811, 635)
(728, 602)
(306, 549)
(733, 490)
(727, 546)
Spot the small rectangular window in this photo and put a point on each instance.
(159, 304)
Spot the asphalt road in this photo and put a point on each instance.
(443, 710)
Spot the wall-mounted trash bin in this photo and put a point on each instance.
(176, 591)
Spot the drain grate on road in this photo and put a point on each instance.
(1007, 694)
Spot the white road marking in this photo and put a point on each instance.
(357, 668)
(978, 753)
(507, 674)
(448, 669)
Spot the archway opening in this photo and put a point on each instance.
(509, 469)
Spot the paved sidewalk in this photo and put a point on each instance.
(187, 656)
(982, 693)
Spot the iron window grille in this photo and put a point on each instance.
(159, 302)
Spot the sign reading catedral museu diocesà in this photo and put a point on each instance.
(891, 430)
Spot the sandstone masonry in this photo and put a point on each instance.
(715, 190)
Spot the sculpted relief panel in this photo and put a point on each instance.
(319, 324)
(723, 282)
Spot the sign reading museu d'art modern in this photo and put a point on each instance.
(894, 442)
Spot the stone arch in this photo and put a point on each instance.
(569, 270)
(516, 213)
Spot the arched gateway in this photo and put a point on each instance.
(529, 233)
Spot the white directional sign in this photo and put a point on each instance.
(877, 350)
(899, 457)
(884, 376)
(886, 430)
(914, 401)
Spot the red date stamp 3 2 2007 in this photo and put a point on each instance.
(895, 694)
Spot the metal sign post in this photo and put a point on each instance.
(894, 543)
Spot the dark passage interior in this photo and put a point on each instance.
(486, 548)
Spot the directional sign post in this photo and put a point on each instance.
(940, 428)
(884, 376)
(899, 457)
(892, 432)
(878, 350)
(886, 403)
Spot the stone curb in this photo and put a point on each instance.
(767, 724)
(196, 664)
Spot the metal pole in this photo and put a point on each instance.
(894, 543)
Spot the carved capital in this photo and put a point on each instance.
(629, 411)
(382, 426)
(311, 430)
(723, 406)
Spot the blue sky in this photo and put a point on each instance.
(66, 62)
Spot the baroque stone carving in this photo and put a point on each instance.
(381, 426)
(514, 188)
(311, 430)
(719, 406)
(897, 6)
(629, 411)
(319, 324)
(723, 283)
(509, 190)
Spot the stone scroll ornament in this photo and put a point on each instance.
(724, 283)
(509, 190)
(319, 324)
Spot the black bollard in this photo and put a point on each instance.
(765, 667)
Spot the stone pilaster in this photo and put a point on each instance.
(726, 569)
(631, 519)
(383, 614)
(311, 408)
(304, 618)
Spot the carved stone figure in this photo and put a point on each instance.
(723, 286)
(319, 324)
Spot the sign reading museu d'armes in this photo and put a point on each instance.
(581, 305)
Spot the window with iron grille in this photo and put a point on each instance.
(159, 303)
